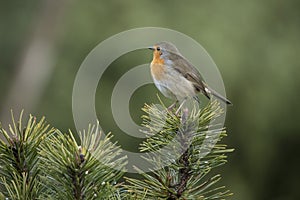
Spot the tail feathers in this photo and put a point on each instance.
(217, 95)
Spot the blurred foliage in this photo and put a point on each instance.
(254, 43)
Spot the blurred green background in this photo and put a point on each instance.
(255, 44)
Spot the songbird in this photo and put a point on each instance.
(176, 77)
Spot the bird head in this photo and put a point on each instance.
(163, 50)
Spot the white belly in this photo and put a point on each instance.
(175, 86)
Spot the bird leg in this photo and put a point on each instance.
(180, 106)
(173, 105)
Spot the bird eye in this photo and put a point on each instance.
(158, 48)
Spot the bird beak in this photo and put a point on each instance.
(151, 48)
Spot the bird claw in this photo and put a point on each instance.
(180, 106)
(170, 108)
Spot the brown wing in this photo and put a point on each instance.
(184, 67)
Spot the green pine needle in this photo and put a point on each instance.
(183, 152)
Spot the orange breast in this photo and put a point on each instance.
(157, 71)
(157, 59)
(157, 66)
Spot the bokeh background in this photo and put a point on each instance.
(255, 44)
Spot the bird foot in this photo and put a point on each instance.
(170, 108)
(180, 106)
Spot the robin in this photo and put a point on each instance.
(176, 77)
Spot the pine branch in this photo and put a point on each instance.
(87, 171)
(19, 162)
(184, 172)
(182, 167)
(39, 162)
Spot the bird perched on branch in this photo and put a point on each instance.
(176, 77)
